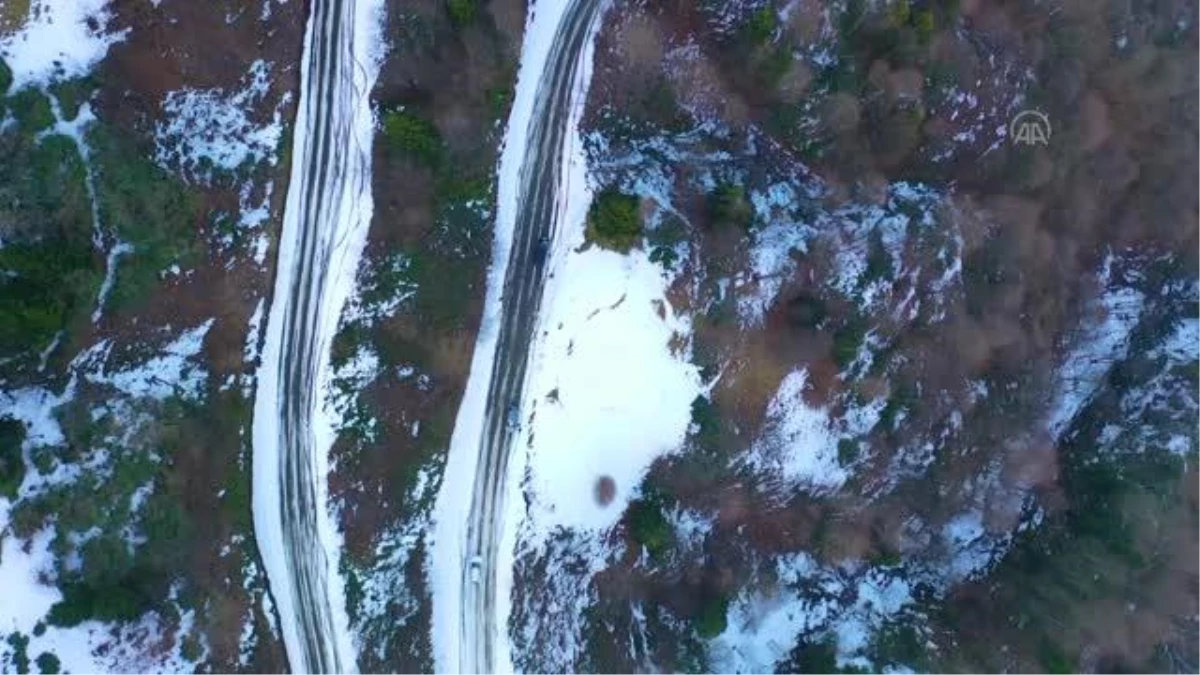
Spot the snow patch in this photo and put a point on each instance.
(61, 40)
(621, 396)
(209, 130)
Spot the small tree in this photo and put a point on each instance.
(614, 221)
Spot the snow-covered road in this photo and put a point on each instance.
(469, 629)
(326, 217)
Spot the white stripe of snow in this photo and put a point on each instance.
(454, 500)
(345, 244)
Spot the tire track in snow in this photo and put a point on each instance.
(325, 222)
(541, 200)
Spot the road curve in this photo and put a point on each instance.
(325, 218)
(540, 200)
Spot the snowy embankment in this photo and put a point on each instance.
(326, 232)
(453, 505)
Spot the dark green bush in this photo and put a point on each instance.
(462, 12)
(124, 599)
(712, 619)
(414, 137)
(151, 211)
(48, 664)
(761, 25)
(5, 78)
(847, 340)
(649, 527)
(847, 451)
(728, 206)
(806, 311)
(614, 221)
(12, 466)
(32, 110)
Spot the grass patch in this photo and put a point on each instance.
(614, 221)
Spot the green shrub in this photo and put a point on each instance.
(712, 618)
(462, 12)
(414, 137)
(614, 221)
(806, 311)
(847, 451)
(898, 643)
(879, 263)
(1054, 659)
(32, 110)
(728, 206)
(708, 425)
(649, 527)
(20, 653)
(48, 664)
(124, 599)
(12, 465)
(818, 657)
(72, 94)
(6, 78)
(761, 25)
(847, 340)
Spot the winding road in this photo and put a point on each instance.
(325, 219)
(541, 199)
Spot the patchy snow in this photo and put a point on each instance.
(762, 625)
(254, 334)
(174, 372)
(765, 621)
(798, 444)
(206, 130)
(91, 647)
(1103, 340)
(57, 42)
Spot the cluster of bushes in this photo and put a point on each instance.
(614, 221)
(151, 210)
(49, 271)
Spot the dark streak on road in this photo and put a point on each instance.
(539, 203)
